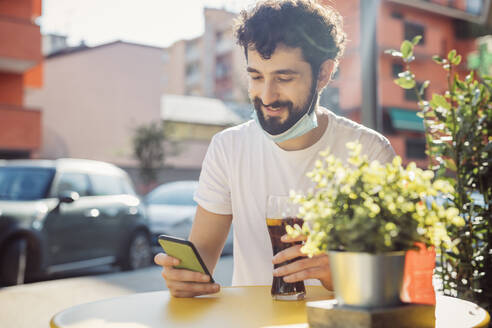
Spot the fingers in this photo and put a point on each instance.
(181, 282)
(317, 267)
(165, 260)
(311, 273)
(186, 289)
(288, 254)
(306, 264)
(170, 273)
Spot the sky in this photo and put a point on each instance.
(150, 22)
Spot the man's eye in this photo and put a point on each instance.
(256, 77)
(284, 79)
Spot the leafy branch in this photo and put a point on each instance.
(458, 125)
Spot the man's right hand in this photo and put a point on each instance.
(184, 283)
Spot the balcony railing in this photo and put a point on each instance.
(444, 8)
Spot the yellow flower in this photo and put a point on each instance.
(396, 161)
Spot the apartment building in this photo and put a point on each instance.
(211, 65)
(93, 98)
(20, 68)
(444, 25)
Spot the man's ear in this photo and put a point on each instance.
(325, 72)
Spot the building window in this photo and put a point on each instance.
(452, 3)
(415, 148)
(330, 98)
(410, 94)
(412, 30)
(474, 7)
(396, 15)
(396, 69)
(192, 69)
(221, 70)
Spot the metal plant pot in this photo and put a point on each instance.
(367, 280)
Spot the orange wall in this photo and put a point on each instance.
(11, 91)
(20, 44)
(20, 40)
(20, 129)
(17, 8)
(33, 78)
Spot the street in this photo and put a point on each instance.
(33, 305)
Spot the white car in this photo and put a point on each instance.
(171, 210)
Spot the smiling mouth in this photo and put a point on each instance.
(271, 111)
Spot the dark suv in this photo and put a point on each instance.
(65, 215)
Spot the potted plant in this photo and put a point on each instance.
(458, 125)
(366, 215)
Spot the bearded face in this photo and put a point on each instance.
(281, 88)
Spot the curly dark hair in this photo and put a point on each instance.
(304, 24)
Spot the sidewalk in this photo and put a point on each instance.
(33, 305)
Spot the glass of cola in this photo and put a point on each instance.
(281, 212)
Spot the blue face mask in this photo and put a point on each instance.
(305, 124)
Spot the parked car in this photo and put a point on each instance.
(171, 210)
(68, 214)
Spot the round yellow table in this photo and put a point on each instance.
(232, 307)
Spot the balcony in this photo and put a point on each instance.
(475, 12)
(20, 128)
(21, 45)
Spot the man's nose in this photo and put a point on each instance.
(269, 93)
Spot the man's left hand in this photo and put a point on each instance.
(316, 267)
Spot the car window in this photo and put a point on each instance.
(25, 183)
(71, 181)
(104, 185)
(127, 186)
(172, 196)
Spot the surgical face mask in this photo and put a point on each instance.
(306, 122)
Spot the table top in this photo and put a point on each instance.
(231, 307)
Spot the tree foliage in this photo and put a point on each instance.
(148, 148)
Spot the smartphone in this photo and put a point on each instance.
(185, 251)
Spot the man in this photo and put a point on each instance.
(292, 48)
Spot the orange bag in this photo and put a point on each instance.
(417, 276)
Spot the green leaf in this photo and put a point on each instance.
(456, 60)
(450, 164)
(451, 55)
(439, 101)
(416, 39)
(406, 49)
(461, 85)
(423, 87)
(405, 82)
(437, 59)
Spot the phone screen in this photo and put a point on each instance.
(186, 252)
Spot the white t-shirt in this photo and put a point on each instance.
(243, 167)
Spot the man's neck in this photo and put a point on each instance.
(310, 138)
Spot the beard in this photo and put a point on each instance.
(274, 125)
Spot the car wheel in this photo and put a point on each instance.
(139, 252)
(13, 263)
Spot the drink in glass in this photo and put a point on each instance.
(281, 212)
